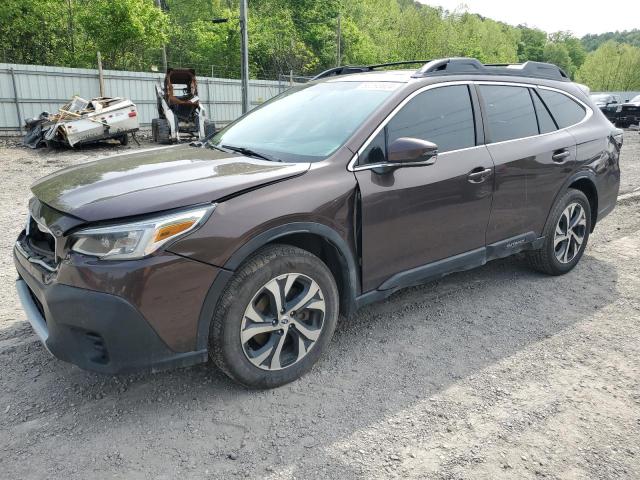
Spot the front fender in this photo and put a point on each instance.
(347, 263)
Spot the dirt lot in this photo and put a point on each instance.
(494, 373)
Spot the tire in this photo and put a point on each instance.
(561, 252)
(209, 128)
(163, 131)
(124, 139)
(154, 130)
(274, 357)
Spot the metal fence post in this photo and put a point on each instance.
(100, 75)
(16, 99)
(209, 99)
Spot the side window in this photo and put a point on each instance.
(545, 121)
(510, 112)
(565, 110)
(442, 115)
(376, 151)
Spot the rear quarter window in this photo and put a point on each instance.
(545, 121)
(565, 110)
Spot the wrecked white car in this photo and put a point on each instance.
(84, 121)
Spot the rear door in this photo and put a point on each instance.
(532, 158)
(418, 215)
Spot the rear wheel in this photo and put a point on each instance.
(154, 130)
(124, 139)
(162, 131)
(209, 128)
(275, 318)
(566, 235)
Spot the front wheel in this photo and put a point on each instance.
(275, 317)
(566, 235)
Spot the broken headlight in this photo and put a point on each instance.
(139, 239)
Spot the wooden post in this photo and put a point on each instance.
(100, 75)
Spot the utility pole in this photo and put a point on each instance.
(244, 60)
(164, 47)
(338, 36)
(71, 30)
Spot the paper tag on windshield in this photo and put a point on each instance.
(386, 86)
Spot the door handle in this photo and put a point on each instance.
(479, 175)
(560, 156)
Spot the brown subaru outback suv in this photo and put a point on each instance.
(246, 248)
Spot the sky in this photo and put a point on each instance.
(579, 16)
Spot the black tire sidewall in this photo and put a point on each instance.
(154, 130)
(209, 128)
(236, 298)
(572, 196)
(164, 131)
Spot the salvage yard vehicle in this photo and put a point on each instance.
(81, 121)
(180, 114)
(629, 113)
(608, 104)
(334, 194)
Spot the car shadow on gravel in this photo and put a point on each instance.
(385, 359)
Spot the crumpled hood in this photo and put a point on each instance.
(154, 180)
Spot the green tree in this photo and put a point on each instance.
(574, 47)
(592, 41)
(284, 35)
(558, 54)
(531, 44)
(33, 31)
(612, 67)
(123, 30)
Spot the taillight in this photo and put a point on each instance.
(133, 114)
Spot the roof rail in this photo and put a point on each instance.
(347, 69)
(462, 65)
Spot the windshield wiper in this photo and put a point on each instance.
(217, 147)
(249, 152)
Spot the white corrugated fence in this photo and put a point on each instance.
(43, 88)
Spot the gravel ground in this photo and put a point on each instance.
(495, 373)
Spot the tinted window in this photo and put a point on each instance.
(545, 122)
(565, 111)
(509, 111)
(376, 151)
(441, 115)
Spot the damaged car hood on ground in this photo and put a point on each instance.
(155, 180)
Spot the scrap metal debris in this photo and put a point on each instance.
(83, 121)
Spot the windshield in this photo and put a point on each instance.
(306, 123)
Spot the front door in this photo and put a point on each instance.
(413, 216)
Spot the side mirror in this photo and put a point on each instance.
(412, 152)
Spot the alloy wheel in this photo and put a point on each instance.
(570, 232)
(283, 321)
